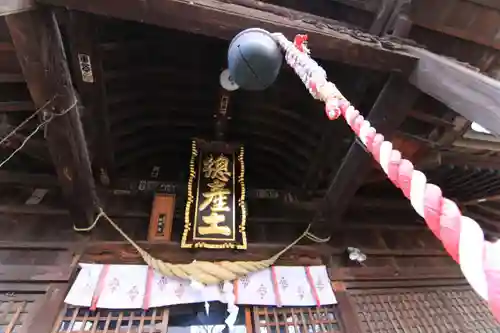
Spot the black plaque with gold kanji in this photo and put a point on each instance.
(216, 214)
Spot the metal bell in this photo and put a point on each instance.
(254, 59)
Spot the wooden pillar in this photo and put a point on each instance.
(347, 312)
(85, 58)
(38, 44)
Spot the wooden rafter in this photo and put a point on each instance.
(437, 158)
(27, 179)
(390, 109)
(470, 94)
(224, 20)
(16, 106)
(40, 51)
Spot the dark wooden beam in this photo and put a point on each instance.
(28, 179)
(392, 273)
(86, 62)
(40, 51)
(393, 104)
(436, 159)
(43, 210)
(205, 17)
(34, 148)
(112, 252)
(470, 94)
(17, 106)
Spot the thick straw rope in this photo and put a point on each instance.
(205, 272)
(461, 236)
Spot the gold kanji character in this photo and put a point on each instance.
(217, 197)
(213, 226)
(217, 168)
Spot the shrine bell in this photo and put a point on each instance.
(254, 59)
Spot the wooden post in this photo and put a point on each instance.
(40, 51)
(348, 315)
(86, 61)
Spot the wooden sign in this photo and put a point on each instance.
(216, 212)
(162, 217)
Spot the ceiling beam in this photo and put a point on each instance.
(28, 179)
(470, 94)
(224, 20)
(393, 104)
(17, 106)
(438, 158)
(264, 211)
(34, 148)
(40, 52)
(86, 61)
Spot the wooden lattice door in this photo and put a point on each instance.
(296, 320)
(82, 319)
(15, 310)
(426, 310)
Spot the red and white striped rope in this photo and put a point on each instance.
(461, 236)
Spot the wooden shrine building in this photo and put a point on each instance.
(100, 101)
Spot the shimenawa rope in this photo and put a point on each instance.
(205, 272)
(461, 236)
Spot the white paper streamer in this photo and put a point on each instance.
(232, 309)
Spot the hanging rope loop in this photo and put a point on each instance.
(205, 272)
